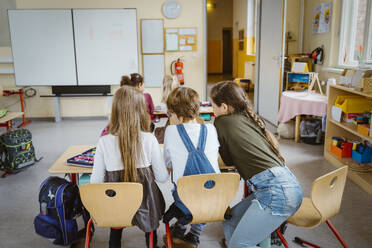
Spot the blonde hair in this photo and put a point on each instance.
(233, 96)
(128, 118)
(169, 84)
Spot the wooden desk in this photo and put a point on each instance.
(203, 110)
(7, 119)
(61, 167)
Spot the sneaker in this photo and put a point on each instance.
(177, 235)
(192, 240)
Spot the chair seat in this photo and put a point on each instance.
(307, 215)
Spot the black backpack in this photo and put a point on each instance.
(16, 150)
(62, 218)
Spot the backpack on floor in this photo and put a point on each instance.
(62, 218)
(16, 150)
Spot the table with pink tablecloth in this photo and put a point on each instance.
(294, 104)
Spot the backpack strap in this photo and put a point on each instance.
(185, 138)
(61, 211)
(202, 138)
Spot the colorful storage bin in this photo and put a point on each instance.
(344, 152)
(354, 104)
(363, 157)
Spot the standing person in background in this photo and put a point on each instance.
(169, 84)
(245, 143)
(136, 80)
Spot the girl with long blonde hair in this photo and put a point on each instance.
(130, 153)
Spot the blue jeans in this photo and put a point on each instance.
(276, 195)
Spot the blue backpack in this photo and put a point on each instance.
(197, 163)
(62, 218)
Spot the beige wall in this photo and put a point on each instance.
(293, 24)
(330, 40)
(191, 16)
(217, 19)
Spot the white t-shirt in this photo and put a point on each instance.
(108, 157)
(176, 154)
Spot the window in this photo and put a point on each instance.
(356, 34)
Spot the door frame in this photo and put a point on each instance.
(258, 49)
(232, 50)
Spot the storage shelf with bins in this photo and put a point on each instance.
(348, 131)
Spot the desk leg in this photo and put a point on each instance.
(297, 130)
(57, 112)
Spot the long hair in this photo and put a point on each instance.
(128, 118)
(169, 84)
(235, 98)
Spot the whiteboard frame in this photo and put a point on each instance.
(12, 50)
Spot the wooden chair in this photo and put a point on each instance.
(199, 120)
(206, 204)
(111, 205)
(324, 203)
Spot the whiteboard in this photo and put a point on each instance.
(153, 67)
(106, 45)
(152, 33)
(43, 47)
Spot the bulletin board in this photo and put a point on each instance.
(180, 39)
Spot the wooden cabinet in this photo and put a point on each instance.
(349, 131)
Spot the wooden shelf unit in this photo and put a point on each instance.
(348, 131)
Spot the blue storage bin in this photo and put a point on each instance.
(298, 78)
(364, 157)
(206, 117)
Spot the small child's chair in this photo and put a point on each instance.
(111, 205)
(325, 202)
(206, 204)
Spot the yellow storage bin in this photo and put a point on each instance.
(354, 104)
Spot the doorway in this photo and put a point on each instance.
(227, 50)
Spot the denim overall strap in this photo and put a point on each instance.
(202, 138)
(185, 138)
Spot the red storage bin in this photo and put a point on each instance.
(345, 152)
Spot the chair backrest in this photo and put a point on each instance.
(327, 191)
(112, 204)
(208, 204)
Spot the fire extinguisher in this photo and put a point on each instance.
(177, 65)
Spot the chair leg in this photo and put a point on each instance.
(88, 233)
(285, 243)
(151, 240)
(336, 234)
(169, 238)
(302, 242)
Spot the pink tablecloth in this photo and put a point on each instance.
(295, 103)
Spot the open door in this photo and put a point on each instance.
(270, 57)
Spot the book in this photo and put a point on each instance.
(85, 159)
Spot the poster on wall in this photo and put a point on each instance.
(325, 18)
(322, 18)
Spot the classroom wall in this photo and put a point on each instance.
(243, 64)
(293, 24)
(191, 16)
(218, 18)
(330, 40)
